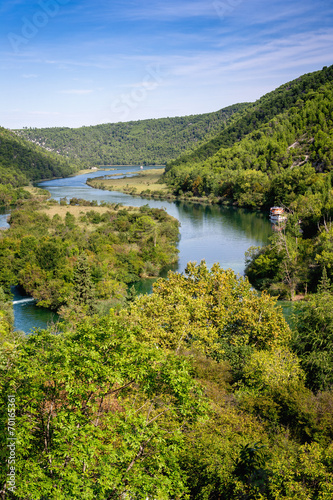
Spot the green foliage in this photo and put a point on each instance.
(304, 475)
(109, 407)
(292, 263)
(250, 470)
(313, 341)
(10, 195)
(221, 460)
(70, 265)
(98, 415)
(6, 308)
(211, 310)
(145, 142)
(277, 149)
(21, 162)
(272, 370)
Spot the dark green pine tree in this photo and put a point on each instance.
(324, 285)
(84, 293)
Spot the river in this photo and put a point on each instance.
(209, 232)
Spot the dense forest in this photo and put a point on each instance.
(53, 251)
(200, 390)
(277, 152)
(270, 152)
(144, 142)
(197, 391)
(22, 162)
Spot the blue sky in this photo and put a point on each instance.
(73, 63)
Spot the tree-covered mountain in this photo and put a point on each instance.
(21, 161)
(270, 152)
(152, 142)
(279, 151)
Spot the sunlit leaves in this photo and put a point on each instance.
(208, 310)
(100, 414)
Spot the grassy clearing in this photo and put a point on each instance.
(86, 171)
(143, 181)
(37, 192)
(80, 211)
(77, 211)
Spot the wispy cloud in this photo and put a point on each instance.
(167, 10)
(172, 10)
(76, 91)
(293, 12)
(100, 51)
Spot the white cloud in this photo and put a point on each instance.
(291, 52)
(76, 91)
(172, 10)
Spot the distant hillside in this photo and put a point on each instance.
(144, 142)
(22, 162)
(270, 153)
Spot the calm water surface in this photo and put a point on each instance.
(216, 234)
(212, 233)
(3, 217)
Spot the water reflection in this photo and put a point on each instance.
(4, 213)
(209, 232)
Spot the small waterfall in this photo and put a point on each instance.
(23, 301)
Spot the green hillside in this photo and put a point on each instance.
(150, 142)
(270, 152)
(279, 151)
(22, 162)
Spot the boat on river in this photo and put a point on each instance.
(277, 214)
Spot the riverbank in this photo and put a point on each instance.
(214, 232)
(36, 192)
(147, 184)
(88, 171)
(133, 182)
(110, 245)
(81, 210)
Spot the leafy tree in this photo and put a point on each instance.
(98, 415)
(212, 310)
(84, 290)
(303, 474)
(313, 340)
(250, 470)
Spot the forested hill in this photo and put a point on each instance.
(152, 142)
(21, 161)
(258, 114)
(271, 153)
